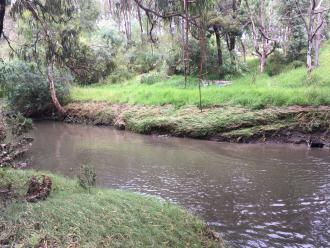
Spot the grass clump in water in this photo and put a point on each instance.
(72, 217)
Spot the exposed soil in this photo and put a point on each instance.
(294, 124)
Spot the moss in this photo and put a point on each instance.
(72, 217)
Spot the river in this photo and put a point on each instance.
(254, 195)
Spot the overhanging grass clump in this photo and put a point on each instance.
(72, 217)
(234, 124)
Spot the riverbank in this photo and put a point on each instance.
(294, 124)
(72, 217)
(285, 108)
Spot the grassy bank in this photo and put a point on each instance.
(286, 89)
(235, 124)
(283, 108)
(72, 217)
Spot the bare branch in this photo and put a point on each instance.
(9, 43)
(301, 14)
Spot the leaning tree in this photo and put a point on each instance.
(55, 26)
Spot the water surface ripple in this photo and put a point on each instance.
(255, 195)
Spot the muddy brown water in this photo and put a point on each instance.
(255, 195)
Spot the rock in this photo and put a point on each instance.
(315, 144)
(163, 136)
(120, 124)
(22, 165)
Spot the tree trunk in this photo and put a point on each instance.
(202, 61)
(127, 23)
(2, 14)
(219, 51)
(231, 44)
(309, 55)
(262, 62)
(286, 41)
(52, 90)
(243, 50)
(310, 31)
(186, 43)
(140, 23)
(110, 8)
(318, 39)
(317, 52)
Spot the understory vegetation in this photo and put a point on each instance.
(252, 90)
(27, 89)
(163, 52)
(72, 217)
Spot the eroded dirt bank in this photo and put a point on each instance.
(293, 124)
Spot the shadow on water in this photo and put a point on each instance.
(255, 195)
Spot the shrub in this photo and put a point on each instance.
(153, 77)
(27, 89)
(121, 70)
(121, 74)
(91, 65)
(296, 64)
(18, 123)
(276, 64)
(144, 61)
(87, 177)
(149, 78)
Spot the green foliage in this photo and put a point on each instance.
(276, 64)
(287, 88)
(107, 58)
(66, 22)
(27, 89)
(18, 123)
(149, 78)
(153, 77)
(87, 177)
(296, 64)
(91, 65)
(143, 60)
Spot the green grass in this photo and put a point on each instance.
(224, 123)
(288, 88)
(73, 217)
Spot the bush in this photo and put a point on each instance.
(121, 74)
(144, 61)
(149, 78)
(87, 177)
(91, 65)
(296, 64)
(27, 89)
(153, 77)
(121, 70)
(18, 123)
(276, 64)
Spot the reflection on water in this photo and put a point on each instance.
(255, 195)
